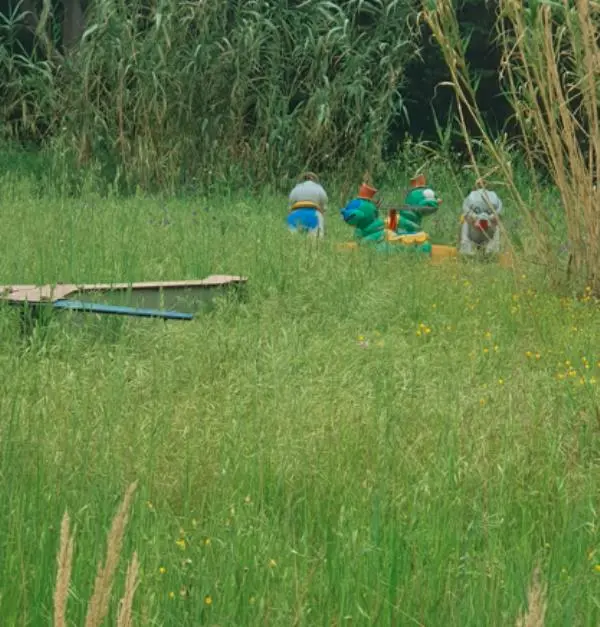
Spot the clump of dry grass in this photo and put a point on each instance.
(131, 584)
(63, 574)
(550, 69)
(536, 603)
(98, 604)
(100, 599)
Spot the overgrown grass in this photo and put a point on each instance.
(365, 439)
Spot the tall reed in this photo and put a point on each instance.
(160, 93)
(551, 73)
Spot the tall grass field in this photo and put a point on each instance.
(361, 440)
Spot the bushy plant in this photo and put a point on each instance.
(163, 93)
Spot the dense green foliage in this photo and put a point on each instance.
(167, 94)
(179, 91)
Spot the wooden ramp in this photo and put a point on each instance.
(161, 299)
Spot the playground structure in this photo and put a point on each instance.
(401, 231)
(167, 300)
(439, 253)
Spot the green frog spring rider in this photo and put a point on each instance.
(402, 230)
(363, 214)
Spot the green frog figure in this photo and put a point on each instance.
(402, 230)
(363, 214)
(404, 225)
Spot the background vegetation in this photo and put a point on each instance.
(363, 440)
(165, 93)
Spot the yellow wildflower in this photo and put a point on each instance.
(488, 335)
(272, 563)
(162, 570)
(208, 600)
(597, 568)
(180, 543)
(528, 354)
(171, 595)
(501, 381)
(591, 554)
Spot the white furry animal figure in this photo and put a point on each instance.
(479, 222)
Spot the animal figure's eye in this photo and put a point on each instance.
(428, 194)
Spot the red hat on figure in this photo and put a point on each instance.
(418, 181)
(366, 192)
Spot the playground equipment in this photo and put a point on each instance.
(404, 225)
(402, 230)
(479, 224)
(168, 300)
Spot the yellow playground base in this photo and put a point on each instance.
(441, 254)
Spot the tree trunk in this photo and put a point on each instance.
(73, 24)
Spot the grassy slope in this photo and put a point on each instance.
(365, 438)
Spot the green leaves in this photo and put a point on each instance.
(198, 85)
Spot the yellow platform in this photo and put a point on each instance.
(439, 253)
